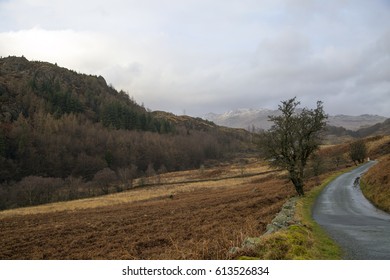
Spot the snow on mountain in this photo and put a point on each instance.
(243, 118)
(258, 119)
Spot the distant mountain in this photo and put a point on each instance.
(243, 118)
(379, 128)
(355, 123)
(258, 119)
(337, 134)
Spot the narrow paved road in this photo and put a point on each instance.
(362, 230)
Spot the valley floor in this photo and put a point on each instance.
(201, 221)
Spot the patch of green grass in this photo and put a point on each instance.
(303, 241)
(322, 247)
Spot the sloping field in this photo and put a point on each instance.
(197, 220)
(376, 184)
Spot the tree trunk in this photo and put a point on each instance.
(298, 184)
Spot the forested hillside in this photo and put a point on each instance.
(65, 135)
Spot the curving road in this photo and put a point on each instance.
(362, 230)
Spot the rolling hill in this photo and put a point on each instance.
(60, 129)
(258, 119)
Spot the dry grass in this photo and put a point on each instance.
(376, 184)
(250, 166)
(378, 146)
(170, 184)
(197, 220)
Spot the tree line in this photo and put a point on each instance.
(74, 149)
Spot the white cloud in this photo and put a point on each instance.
(76, 50)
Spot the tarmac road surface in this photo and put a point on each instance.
(361, 230)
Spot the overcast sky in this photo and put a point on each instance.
(200, 56)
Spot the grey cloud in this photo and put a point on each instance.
(215, 55)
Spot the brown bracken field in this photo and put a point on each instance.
(200, 219)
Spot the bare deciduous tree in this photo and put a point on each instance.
(127, 175)
(293, 137)
(104, 178)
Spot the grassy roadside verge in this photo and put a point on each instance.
(305, 240)
(375, 184)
